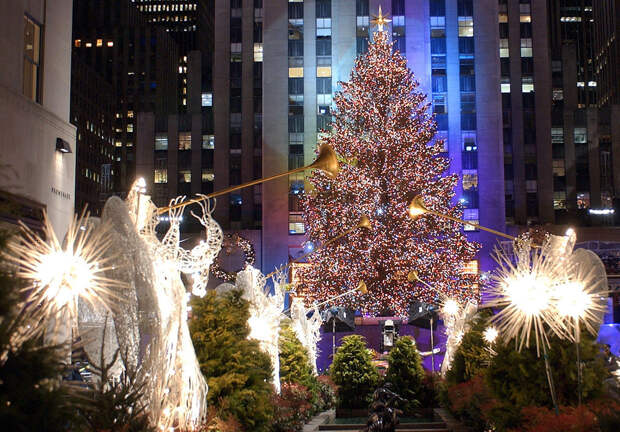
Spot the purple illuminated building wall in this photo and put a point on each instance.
(372, 333)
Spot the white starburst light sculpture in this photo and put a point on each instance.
(59, 273)
(524, 290)
(548, 286)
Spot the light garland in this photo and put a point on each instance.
(382, 127)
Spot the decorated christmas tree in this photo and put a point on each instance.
(384, 134)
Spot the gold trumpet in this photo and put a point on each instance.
(327, 161)
(417, 208)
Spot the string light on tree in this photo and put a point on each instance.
(384, 133)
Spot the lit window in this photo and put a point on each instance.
(185, 140)
(526, 47)
(559, 200)
(503, 48)
(207, 99)
(471, 215)
(32, 55)
(129, 114)
(110, 43)
(129, 127)
(296, 72)
(296, 223)
(207, 175)
(258, 52)
(185, 176)
(466, 26)
(161, 142)
(78, 43)
(161, 176)
(118, 144)
(99, 42)
(581, 135)
(503, 17)
(559, 168)
(89, 44)
(527, 84)
(324, 71)
(557, 135)
(525, 18)
(505, 87)
(129, 144)
(470, 179)
(208, 142)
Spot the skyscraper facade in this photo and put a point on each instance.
(93, 106)
(551, 101)
(137, 58)
(190, 24)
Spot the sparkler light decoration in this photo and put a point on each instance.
(265, 313)
(383, 128)
(548, 286)
(524, 289)
(60, 273)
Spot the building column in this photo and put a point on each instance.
(221, 108)
(543, 95)
(275, 134)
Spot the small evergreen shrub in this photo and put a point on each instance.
(238, 372)
(354, 374)
(405, 372)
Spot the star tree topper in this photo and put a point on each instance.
(380, 20)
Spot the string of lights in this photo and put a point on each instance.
(383, 129)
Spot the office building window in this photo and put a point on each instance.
(185, 176)
(185, 141)
(526, 47)
(207, 175)
(161, 142)
(296, 223)
(161, 175)
(208, 142)
(32, 56)
(471, 215)
(503, 48)
(207, 99)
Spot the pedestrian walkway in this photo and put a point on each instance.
(404, 427)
